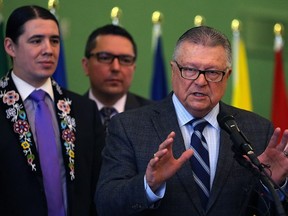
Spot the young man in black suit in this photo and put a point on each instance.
(32, 41)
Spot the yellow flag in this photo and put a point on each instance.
(241, 94)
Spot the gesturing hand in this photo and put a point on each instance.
(276, 156)
(163, 165)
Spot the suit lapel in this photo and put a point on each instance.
(13, 107)
(165, 121)
(67, 126)
(224, 165)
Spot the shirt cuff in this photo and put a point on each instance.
(151, 196)
(281, 196)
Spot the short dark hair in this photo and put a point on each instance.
(109, 29)
(206, 36)
(21, 15)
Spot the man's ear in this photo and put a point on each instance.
(229, 72)
(85, 63)
(9, 46)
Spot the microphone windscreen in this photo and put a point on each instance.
(223, 121)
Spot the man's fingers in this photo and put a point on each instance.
(157, 156)
(185, 156)
(283, 145)
(168, 141)
(274, 138)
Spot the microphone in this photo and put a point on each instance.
(241, 143)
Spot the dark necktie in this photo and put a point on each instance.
(48, 155)
(200, 160)
(107, 112)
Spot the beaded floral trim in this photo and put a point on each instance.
(68, 128)
(68, 125)
(21, 126)
(17, 114)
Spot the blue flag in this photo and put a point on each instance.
(60, 72)
(159, 82)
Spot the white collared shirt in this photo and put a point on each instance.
(119, 105)
(26, 89)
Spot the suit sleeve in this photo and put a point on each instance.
(120, 189)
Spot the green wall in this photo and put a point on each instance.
(79, 18)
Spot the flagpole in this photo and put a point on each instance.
(60, 72)
(241, 93)
(157, 18)
(278, 31)
(52, 5)
(235, 26)
(159, 81)
(199, 20)
(116, 13)
(279, 108)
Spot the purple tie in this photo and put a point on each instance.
(48, 155)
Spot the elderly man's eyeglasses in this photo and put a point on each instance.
(193, 73)
(108, 58)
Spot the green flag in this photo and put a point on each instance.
(3, 57)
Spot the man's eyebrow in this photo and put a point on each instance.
(42, 36)
(36, 36)
(55, 36)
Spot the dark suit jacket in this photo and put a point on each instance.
(133, 101)
(134, 136)
(21, 187)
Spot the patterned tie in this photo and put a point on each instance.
(200, 160)
(106, 113)
(48, 155)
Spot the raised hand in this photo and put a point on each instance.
(163, 165)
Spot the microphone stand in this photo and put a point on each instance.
(260, 172)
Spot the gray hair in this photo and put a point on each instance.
(206, 36)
